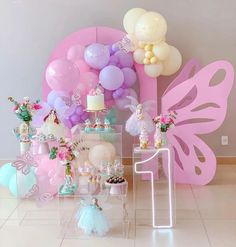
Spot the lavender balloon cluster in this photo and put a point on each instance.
(85, 67)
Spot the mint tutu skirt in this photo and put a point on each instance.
(92, 220)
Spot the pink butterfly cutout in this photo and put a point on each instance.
(24, 163)
(201, 109)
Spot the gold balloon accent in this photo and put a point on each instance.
(149, 54)
(148, 48)
(146, 61)
(153, 60)
(141, 44)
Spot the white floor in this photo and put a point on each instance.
(206, 216)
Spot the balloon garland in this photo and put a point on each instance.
(112, 66)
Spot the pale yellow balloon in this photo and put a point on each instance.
(139, 55)
(161, 50)
(150, 27)
(141, 44)
(131, 17)
(146, 60)
(147, 47)
(172, 62)
(149, 54)
(153, 70)
(153, 60)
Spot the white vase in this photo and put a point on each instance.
(24, 147)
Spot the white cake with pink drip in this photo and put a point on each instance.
(95, 100)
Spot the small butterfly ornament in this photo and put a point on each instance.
(24, 163)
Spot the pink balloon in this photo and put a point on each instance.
(83, 67)
(76, 53)
(62, 75)
(89, 80)
(82, 89)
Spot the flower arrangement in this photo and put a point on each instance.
(165, 122)
(66, 152)
(24, 110)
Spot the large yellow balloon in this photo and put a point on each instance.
(131, 18)
(153, 70)
(172, 62)
(161, 50)
(139, 55)
(150, 27)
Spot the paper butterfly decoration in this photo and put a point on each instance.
(201, 109)
(125, 44)
(75, 99)
(24, 163)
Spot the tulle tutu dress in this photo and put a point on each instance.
(92, 220)
(140, 117)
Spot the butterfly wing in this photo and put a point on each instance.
(201, 109)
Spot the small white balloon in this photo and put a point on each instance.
(100, 153)
(153, 70)
(161, 50)
(172, 62)
(131, 18)
(139, 55)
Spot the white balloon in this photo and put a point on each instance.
(131, 18)
(100, 153)
(139, 55)
(150, 27)
(153, 70)
(161, 50)
(172, 62)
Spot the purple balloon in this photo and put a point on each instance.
(79, 110)
(67, 123)
(110, 49)
(114, 60)
(59, 103)
(70, 110)
(115, 47)
(111, 77)
(125, 59)
(52, 96)
(108, 94)
(123, 101)
(97, 56)
(84, 116)
(129, 77)
(75, 119)
(118, 93)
